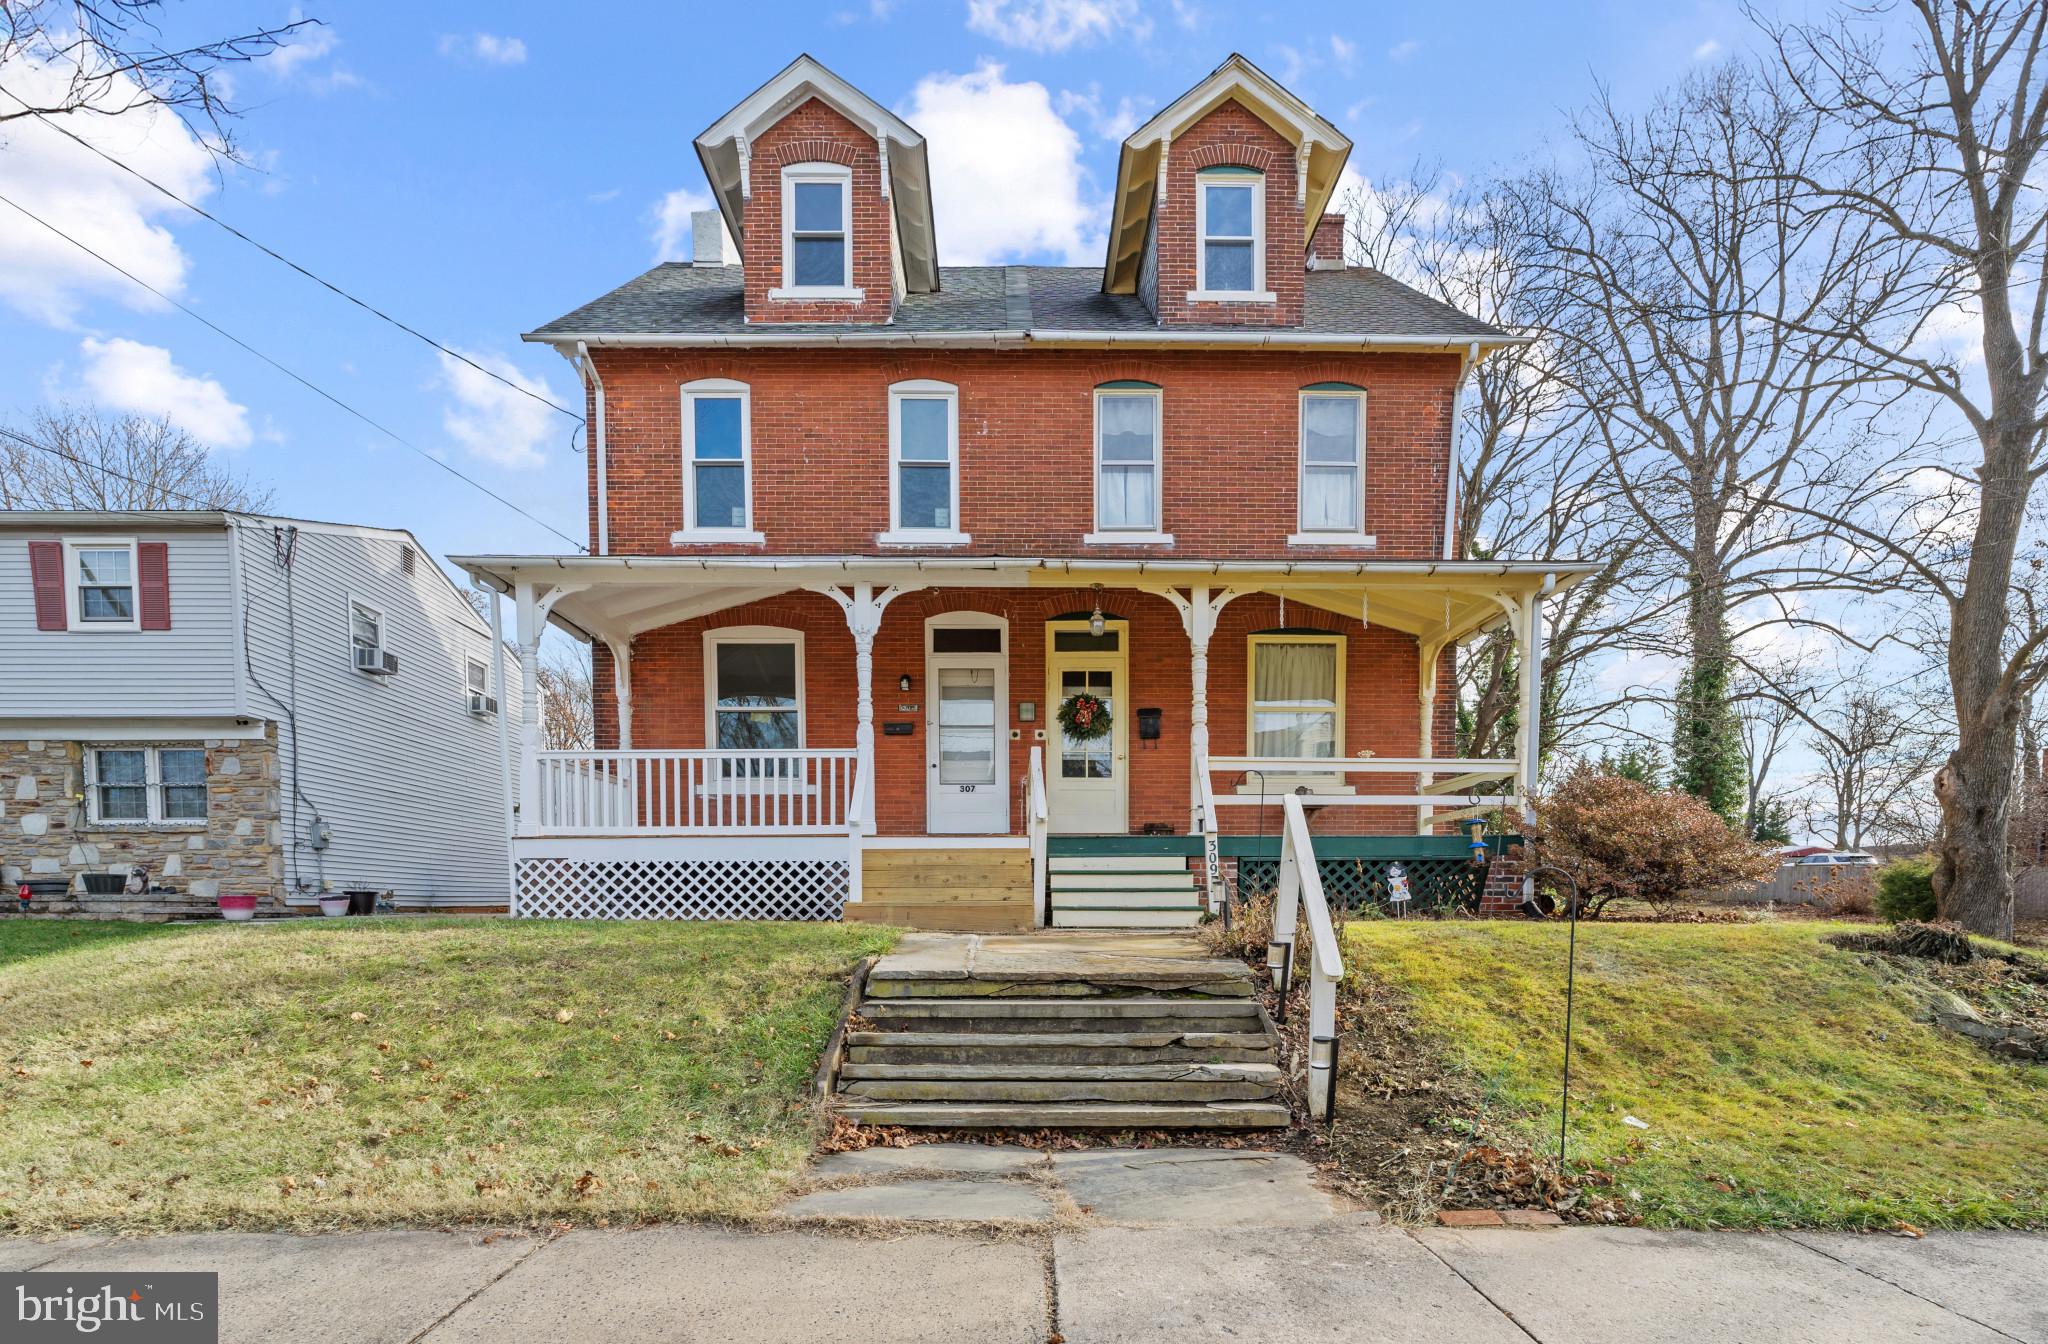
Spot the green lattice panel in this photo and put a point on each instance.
(1434, 884)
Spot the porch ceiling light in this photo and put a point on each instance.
(1095, 623)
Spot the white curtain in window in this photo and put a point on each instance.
(1294, 695)
(1329, 465)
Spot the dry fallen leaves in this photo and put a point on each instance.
(564, 1014)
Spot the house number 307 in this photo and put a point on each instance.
(966, 788)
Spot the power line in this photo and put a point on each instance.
(105, 470)
(268, 251)
(296, 377)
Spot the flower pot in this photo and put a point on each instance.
(362, 902)
(334, 907)
(238, 908)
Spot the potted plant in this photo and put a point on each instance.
(238, 907)
(334, 904)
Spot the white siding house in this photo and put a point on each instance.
(145, 657)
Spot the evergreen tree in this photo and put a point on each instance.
(1706, 746)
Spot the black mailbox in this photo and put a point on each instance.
(1148, 725)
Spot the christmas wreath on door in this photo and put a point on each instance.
(1084, 717)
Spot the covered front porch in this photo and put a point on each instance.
(830, 737)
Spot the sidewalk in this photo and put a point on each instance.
(997, 1245)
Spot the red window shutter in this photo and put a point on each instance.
(153, 579)
(46, 576)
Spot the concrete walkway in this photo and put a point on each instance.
(943, 1243)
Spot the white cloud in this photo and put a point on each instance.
(1403, 52)
(488, 48)
(491, 420)
(88, 198)
(1345, 51)
(142, 378)
(1707, 50)
(1293, 62)
(304, 47)
(1186, 14)
(1055, 25)
(1111, 124)
(672, 235)
(1006, 170)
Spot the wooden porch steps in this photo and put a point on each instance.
(1080, 1030)
(1119, 891)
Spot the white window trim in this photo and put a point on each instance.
(750, 634)
(1320, 783)
(1151, 533)
(689, 534)
(1309, 536)
(349, 629)
(470, 660)
(923, 389)
(1258, 293)
(152, 788)
(816, 172)
(73, 614)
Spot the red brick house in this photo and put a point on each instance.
(862, 525)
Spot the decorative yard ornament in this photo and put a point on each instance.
(1083, 717)
(1397, 888)
(23, 895)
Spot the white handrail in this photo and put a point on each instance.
(1036, 825)
(856, 831)
(1212, 839)
(1496, 768)
(1301, 889)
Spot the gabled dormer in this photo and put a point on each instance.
(829, 197)
(1217, 202)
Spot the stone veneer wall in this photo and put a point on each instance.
(44, 832)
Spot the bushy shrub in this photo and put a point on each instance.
(1623, 839)
(1905, 889)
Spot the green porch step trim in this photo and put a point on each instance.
(1077, 846)
(1268, 846)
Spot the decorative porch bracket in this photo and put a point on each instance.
(864, 607)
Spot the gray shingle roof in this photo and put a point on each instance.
(677, 298)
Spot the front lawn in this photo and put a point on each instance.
(1784, 1082)
(348, 1072)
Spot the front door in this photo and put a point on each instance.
(1085, 777)
(967, 744)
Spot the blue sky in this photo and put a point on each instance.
(477, 170)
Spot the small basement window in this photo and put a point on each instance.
(146, 786)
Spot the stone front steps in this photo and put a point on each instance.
(1079, 1030)
(1122, 892)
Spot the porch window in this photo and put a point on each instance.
(1332, 470)
(817, 233)
(924, 456)
(103, 584)
(756, 690)
(141, 786)
(1127, 421)
(1230, 218)
(1297, 696)
(717, 463)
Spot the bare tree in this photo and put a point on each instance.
(567, 719)
(1725, 438)
(118, 60)
(80, 457)
(1530, 481)
(1877, 762)
(1935, 156)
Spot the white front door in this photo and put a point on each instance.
(967, 743)
(1084, 781)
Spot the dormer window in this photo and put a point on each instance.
(817, 233)
(1230, 221)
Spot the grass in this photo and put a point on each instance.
(1784, 1082)
(347, 1073)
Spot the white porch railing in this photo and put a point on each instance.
(1037, 825)
(805, 792)
(1287, 773)
(1301, 889)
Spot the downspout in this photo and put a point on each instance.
(1470, 358)
(588, 369)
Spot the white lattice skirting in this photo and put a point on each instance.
(682, 888)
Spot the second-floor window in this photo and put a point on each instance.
(1127, 419)
(717, 462)
(1230, 219)
(365, 636)
(103, 584)
(817, 232)
(924, 463)
(1332, 473)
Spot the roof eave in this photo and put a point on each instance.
(1410, 342)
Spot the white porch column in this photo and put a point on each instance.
(622, 687)
(864, 608)
(1427, 653)
(530, 625)
(1532, 697)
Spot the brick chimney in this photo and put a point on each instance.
(1326, 249)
